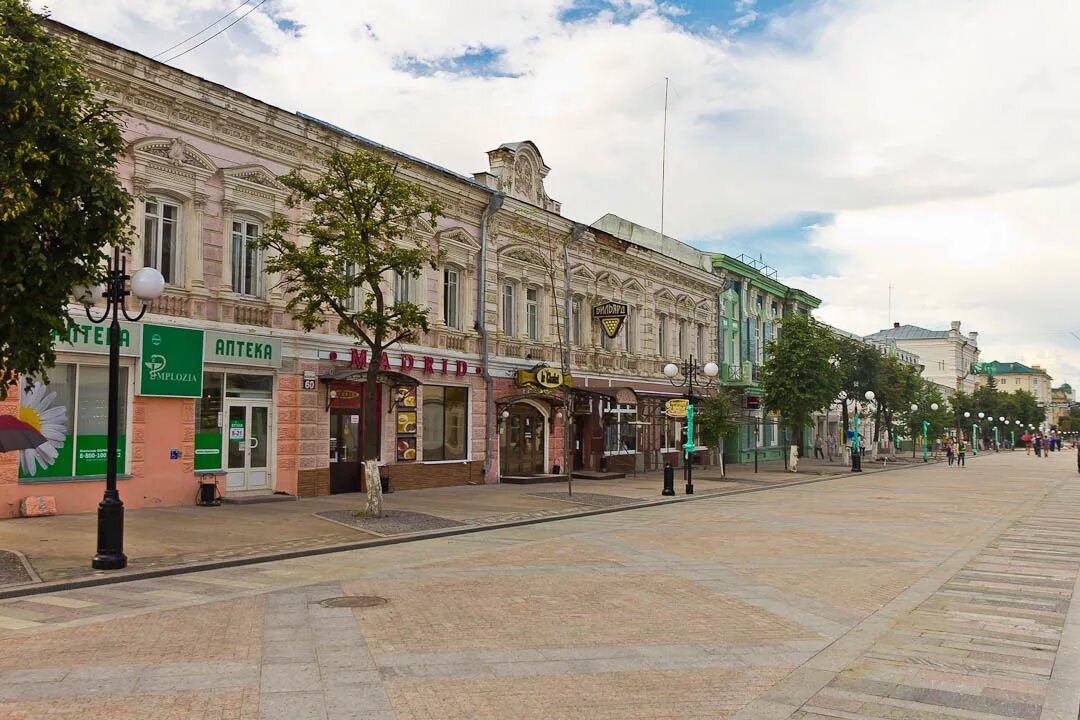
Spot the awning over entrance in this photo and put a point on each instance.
(620, 396)
(550, 400)
(390, 377)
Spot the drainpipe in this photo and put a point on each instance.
(494, 203)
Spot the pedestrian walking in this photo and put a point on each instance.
(1038, 446)
(949, 453)
(961, 450)
(819, 448)
(830, 447)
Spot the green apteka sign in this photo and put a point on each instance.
(172, 361)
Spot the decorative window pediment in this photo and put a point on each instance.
(458, 236)
(171, 163)
(254, 174)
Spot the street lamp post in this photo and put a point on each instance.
(997, 441)
(856, 452)
(967, 416)
(690, 373)
(925, 430)
(979, 427)
(146, 284)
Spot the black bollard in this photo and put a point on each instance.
(856, 461)
(669, 480)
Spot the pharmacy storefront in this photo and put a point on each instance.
(191, 401)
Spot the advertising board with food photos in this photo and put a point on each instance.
(405, 398)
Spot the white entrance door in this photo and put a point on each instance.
(247, 445)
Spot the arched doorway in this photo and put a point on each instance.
(522, 441)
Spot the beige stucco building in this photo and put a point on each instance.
(1013, 376)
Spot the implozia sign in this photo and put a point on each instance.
(171, 363)
(611, 316)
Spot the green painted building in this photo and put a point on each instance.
(751, 306)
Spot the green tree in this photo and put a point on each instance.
(61, 204)
(359, 228)
(715, 415)
(800, 375)
(894, 384)
(939, 421)
(856, 363)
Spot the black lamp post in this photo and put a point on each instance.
(691, 374)
(146, 284)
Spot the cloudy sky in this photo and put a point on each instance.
(928, 145)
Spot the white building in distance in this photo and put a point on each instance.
(946, 355)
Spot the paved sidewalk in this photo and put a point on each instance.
(59, 548)
(929, 593)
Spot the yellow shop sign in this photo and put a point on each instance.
(676, 408)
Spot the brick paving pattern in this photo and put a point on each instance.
(919, 593)
(598, 499)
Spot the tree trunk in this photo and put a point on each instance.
(371, 415)
(374, 507)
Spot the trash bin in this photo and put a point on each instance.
(384, 478)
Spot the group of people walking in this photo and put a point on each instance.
(1043, 446)
(956, 451)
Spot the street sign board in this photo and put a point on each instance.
(172, 361)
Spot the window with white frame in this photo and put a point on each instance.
(532, 313)
(452, 298)
(576, 322)
(509, 309)
(246, 258)
(702, 342)
(354, 301)
(662, 337)
(402, 288)
(682, 338)
(161, 238)
(630, 328)
(620, 430)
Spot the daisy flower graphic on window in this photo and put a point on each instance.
(36, 408)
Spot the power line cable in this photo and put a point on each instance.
(192, 37)
(195, 47)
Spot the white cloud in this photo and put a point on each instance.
(1012, 284)
(928, 124)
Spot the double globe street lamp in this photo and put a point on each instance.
(974, 428)
(856, 451)
(925, 429)
(146, 284)
(691, 375)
